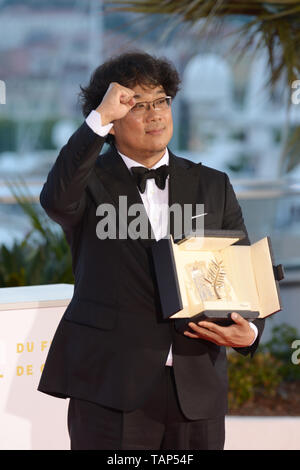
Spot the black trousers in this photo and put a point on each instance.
(158, 425)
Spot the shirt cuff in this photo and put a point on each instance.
(254, 328)
(94, 122)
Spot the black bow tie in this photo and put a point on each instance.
(141, 174)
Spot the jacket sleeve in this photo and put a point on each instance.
(63, 195)
(233, 219)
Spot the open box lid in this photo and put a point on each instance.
(266, 277)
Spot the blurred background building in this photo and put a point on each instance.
(225, 116)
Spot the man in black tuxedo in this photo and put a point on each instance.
(135, 381)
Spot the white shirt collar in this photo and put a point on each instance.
(130, 163)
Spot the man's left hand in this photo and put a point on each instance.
(237, 335)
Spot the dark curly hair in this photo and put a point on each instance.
(129, 69)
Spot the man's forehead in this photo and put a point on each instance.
(144, 91)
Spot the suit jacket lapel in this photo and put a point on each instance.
(183, 192)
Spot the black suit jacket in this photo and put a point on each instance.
(112, 344)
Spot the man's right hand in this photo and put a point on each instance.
(116, 103)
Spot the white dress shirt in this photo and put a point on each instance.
(154, 199)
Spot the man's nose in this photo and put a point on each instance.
(152, 113)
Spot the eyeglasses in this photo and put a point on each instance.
(161, 104)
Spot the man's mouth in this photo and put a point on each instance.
(155, 131)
